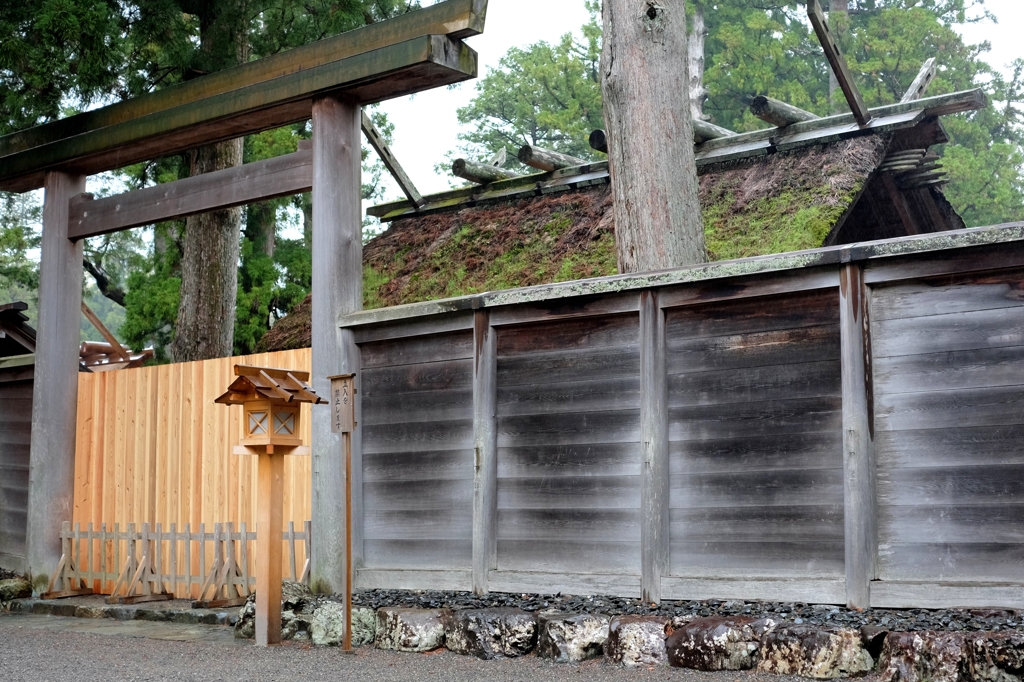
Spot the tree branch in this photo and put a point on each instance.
(114, 293)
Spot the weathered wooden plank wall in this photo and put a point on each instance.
(417, 397)
(847, 427)
(949, 386)
(756, 447)
(15, 439)
(153, 447)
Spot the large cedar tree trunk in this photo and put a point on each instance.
(697, 37)
(647, 114)
(209, 269)
(209, 262)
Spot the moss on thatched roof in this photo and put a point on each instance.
(782, 202)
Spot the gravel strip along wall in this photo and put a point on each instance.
(815, 641)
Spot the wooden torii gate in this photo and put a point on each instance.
(327, 81)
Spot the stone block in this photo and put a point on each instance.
(810, 651)
(720, 643)
(14, 588)
(637, 640)
(411, 630)
(491, 633)
(571, 638)
(995, 657)
(327, 626)
(922, 657)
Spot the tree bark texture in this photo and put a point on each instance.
(645, 82)
(698, 34)
(209, 269)
(209, 262)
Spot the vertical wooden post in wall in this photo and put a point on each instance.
(858, 438)
(269, 520)
(485, 443)
(654, 480)
(343, 422)
(337, 290)
(55, 391)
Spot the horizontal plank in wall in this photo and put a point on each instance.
(821, 450)
(423, 406)
(815, 488)
(618, 426)
(437, 524)
(747, 316)
(996, 485)
(901, 595)
(572, 396)
(959, 446)
(383, 579)
(798, 523)
(578, 525)
(765, 559)
(950, 370)
(757, 349)
(413, 495)
(938, 263)
(585, 584)
(749, 287)
(756, 384)
(511, 312)
(766, 419)
(812, 591)
(995, 328)
(13, 562)
(461, 320)
(416, 350)
(418, 554)
(953, 523)
(554, 461)
(569, 365)
(418, 436)
(1001, 405)
(960, 562)
(938, 297)
(569, 556)
(419, 377)
(418, 466)
(572, 334)
(576, 492)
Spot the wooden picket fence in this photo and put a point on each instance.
(150, 564)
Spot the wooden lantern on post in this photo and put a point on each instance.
(271, 399)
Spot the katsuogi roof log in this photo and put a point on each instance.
(480, 173)
(778, 113)
(547, 160)
(413, 52)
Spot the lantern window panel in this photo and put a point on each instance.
(258, 423)
(284, 423)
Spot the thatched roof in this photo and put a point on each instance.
(831, 184)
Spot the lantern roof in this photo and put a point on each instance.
(267, 383)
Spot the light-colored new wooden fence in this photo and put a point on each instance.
(135, 564)
(153, 448)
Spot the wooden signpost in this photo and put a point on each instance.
(343, 421)
(270, 398)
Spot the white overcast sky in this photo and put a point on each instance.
(425, 124)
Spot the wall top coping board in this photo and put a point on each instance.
(793, 261)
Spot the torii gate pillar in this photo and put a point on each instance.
(337, 290)
(55, 390)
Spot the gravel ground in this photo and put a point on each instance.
(790, 612)
(41, 654)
